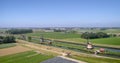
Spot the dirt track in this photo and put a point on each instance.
(13, 50)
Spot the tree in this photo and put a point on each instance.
(29, 38)
(9, 39)
(19, 31)
(91, 35)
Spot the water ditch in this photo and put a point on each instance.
(111, 52)
(106, 48)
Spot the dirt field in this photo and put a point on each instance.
(13, 50)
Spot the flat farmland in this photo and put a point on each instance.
(115, 41)
(106, 41)
(100, 30)
(55, 35)
(13, 50)
(24, 57)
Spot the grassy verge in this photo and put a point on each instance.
(7, 45)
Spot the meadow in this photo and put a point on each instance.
(24, 57)
(100, 30)
(115, 41)
(54, 35)
(106, 41)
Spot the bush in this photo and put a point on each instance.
(91, 35)
(19, 31)
(7, 39)
(29, 38)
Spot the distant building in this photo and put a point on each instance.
(48, 30)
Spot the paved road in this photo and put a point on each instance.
(59, 60)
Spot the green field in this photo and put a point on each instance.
(24, 57)
(99, 30)
(91, 59)
(106, 41)
(55, 35)
(76, 38)
(111, 30)
(7, 45)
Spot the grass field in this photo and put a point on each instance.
(55, 35)
(107, 41)
(24, 57)
(7, 45)
(99, 30)
(76, 38)
(91, 59)
(111, 30)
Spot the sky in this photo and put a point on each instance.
(59, 13)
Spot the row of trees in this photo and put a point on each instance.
(55, 30)
(19, 31)
(91, 35)
(7, 39)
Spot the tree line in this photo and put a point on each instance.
(91, 35)
(19, 31)
(55, 30)
(7, 39)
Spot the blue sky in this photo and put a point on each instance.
(59, 13)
